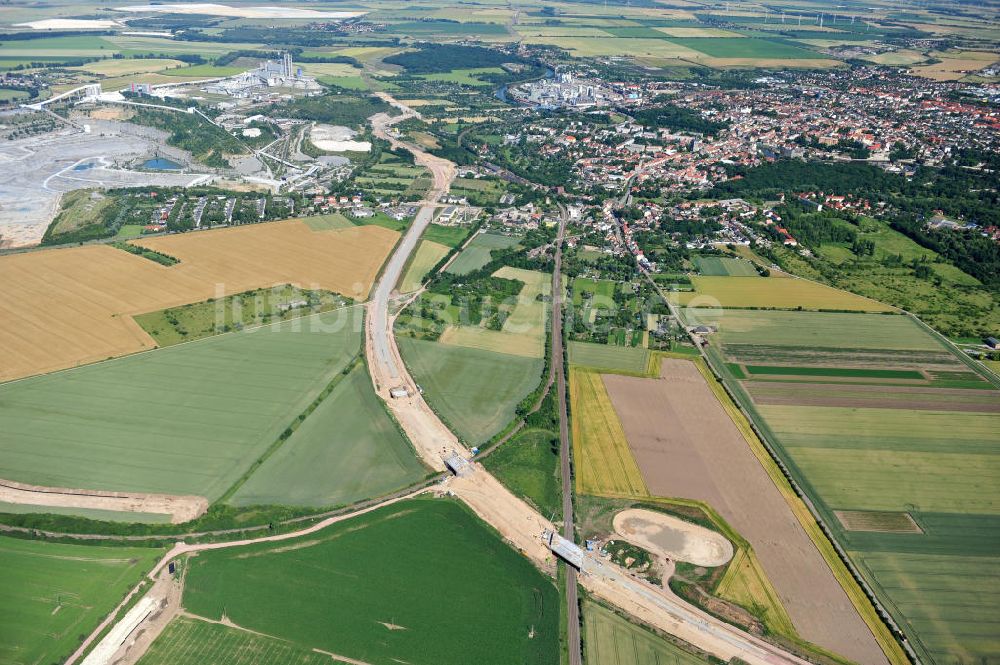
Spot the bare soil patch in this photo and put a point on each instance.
(181, 508)
(687, 446)
(874, 403)
(873, 396)
(673, 537)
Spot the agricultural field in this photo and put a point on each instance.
(955, 64)
(81, 311)
(609, 358)
(686, 445)
(128, 67)
(748, 48)
(772, 293)
(612, 640)
(372, 589)
(477, 253)
(189, 641)
(722, 266)
(894, 437)
(475, 391)
(872, 332)
(528, 464)
(187, 419)
(452, 236)
(346, 450)
(603, 461)
(55, 592)
(427, 255)
(464, 76)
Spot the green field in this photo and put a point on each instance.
(602, 290)
(8, 95)
(528, 464)
(241, 310)
(966, 631)
(187, 419)
(405, 583)
(452, 236)
(71, 46)
(773, 293)
(823, 329)
(606, 357)
(427, 256)
(478, 252)
(464, 76)
(188, 641)
(475, 391)
(330, 222)
(611, 640)
(763, 49)
(859, 372)
(52, 593)
(724, 266)
(936, 459)
(346, 450)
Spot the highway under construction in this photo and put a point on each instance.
(522, 526)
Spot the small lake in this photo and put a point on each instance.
(161, 164)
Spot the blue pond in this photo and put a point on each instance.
(161, 164)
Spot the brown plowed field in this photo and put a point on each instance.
(687, 446)
(898, 397)
(67, 307)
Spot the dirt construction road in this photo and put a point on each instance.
(181, 508)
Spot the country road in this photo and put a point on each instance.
(493, 502)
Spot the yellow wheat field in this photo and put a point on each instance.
(601, 454)
(67, 307)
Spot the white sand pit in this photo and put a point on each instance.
(243, 11)
(69, 24)
(673, 537)
(334, 138)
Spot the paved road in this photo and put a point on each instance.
(442, 172)
(572, 600)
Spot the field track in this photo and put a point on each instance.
(74, 306)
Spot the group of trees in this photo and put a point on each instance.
(193, 133)
(350, 110)
(676, 119)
